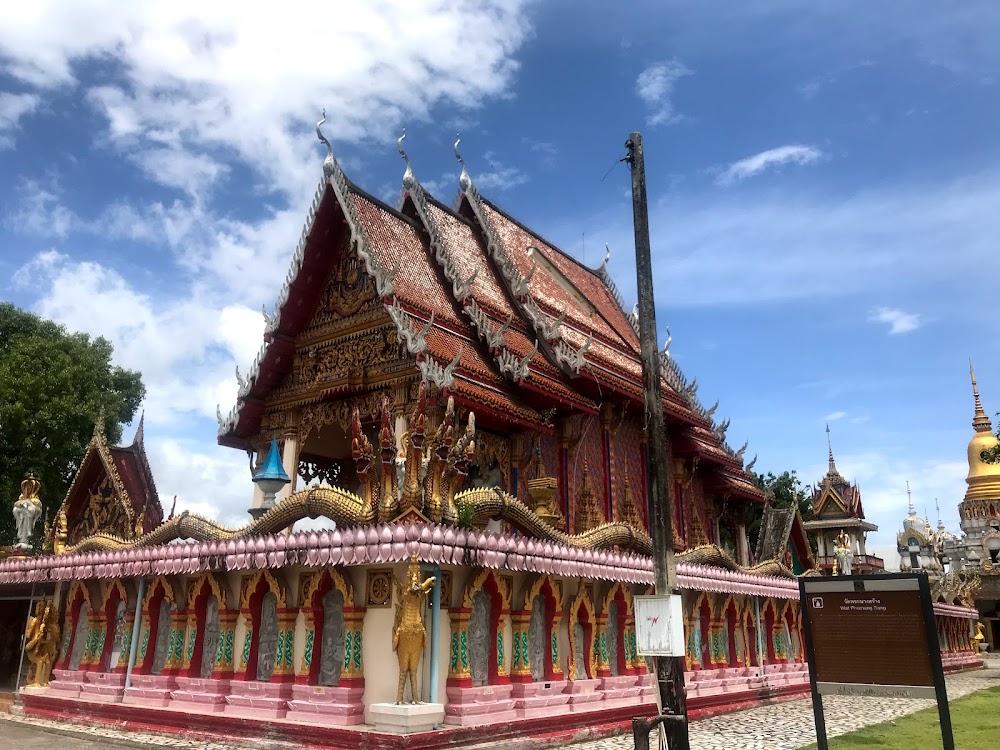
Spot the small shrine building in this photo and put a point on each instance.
(839, 521)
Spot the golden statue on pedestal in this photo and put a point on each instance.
(42, 643)
(408, 631)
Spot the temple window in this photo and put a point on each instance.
(158, 645)
(80, 635)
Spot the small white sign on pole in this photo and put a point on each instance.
(659, 625)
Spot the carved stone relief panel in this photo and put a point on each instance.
(118, 633)
(80, 638)
(161, 650)
(537, 638)
(479, 639)
(613, 636)
(333, 638)
(267, 637)
(211, 637)
(581, 656)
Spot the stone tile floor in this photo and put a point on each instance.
(780, 726)
(789, 725)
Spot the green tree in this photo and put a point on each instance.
(786, 490)
(53, 387)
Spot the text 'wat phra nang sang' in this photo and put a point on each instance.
(464, 402)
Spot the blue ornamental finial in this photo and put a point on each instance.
(271, 476)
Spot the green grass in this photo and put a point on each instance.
(975, 720)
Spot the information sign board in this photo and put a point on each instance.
(869, 642)
(659, 625)
(872, 636)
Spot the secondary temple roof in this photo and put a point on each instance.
(113, 491)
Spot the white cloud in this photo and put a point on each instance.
(185, 347)
(655, 85)
(771, 159)
(499, 176)
(776, 245)
(12, 108)
(834, 416)
(897, 320)
(193, 94)
(192, 77)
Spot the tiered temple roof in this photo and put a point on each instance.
(492, 313)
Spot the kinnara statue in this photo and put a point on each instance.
(408, 632)
(42, 643)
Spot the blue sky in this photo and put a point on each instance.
(824, 181)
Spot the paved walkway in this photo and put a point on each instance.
(789, 725)
(781, 726)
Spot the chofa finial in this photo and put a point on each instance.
(408, 178)
(328, 162)
(464, 180)
(399, 145)
(319, 133)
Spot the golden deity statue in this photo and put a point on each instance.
(980, 636)
(60, 530)
(42, 643)
(408, 632)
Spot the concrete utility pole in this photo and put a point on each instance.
(669, 670)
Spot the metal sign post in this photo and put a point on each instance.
(898, 655)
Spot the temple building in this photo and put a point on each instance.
(464, 402)
(839, 524)
(966, 567)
